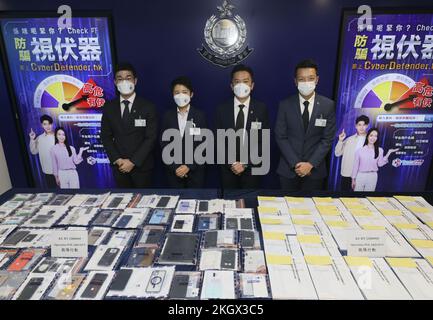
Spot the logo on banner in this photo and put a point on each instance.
(225, 38)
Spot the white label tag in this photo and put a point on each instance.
(194, 131)
(366, 243)
(320, 123)
(256, 125)
(140, 122)
(69, 243)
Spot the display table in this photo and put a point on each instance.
(209, 244)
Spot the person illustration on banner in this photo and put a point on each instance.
(64, 159)
(189, 121)
(304, 131)
(348, 147)
(42, 145)
(129, 132)
(368, 160)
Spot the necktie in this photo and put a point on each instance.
(306, 116)
(240, 118)
(239, 125)
(125, 116)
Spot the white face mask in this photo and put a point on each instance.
(242, 90)
(182, 99)
(306, 88)
(125, 87)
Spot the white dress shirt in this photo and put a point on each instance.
(182, 118)
(42, 146)
(310, 105)
(122, 105)
(360, 140)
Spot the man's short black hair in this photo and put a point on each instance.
(185, 81)
(362, 118)
(46, 117)
(242, 67)
(125, 66)
(308, 63)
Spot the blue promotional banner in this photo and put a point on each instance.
(61, 77)
(384, 82)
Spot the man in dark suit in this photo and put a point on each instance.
(188, 121)
(304, 132)
(242, 112)
(129, 132)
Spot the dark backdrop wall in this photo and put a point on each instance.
(161, 39)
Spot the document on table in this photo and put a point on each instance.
(416, 275)
(286, 245)
(332, 278)
(289, 277)
(315, 245)
(376, 279)
(272, 223)
(278, 203)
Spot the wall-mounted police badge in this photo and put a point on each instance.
(225, 37)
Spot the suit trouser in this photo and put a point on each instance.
(244, 181)
(50, 179)
(69, 179)
(134, 179)
(346, 183)
(366, 181)
(301, 184)
(195, 179)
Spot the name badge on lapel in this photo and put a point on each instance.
(140, 123)
(320, 122)
(194, 131)
(256, 125)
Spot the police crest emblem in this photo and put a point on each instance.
(225, 36)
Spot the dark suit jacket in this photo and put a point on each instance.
(296, 145)
(128, 141)
(225, 119)
(170, 121)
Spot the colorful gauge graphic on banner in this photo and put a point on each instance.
(385, 89)
(56, 90)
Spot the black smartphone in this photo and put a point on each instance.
(228, 259)
(210, 239)
(247, 239)
(203, 206)
(115, 202)
(16, 237)
(178, 224)
(232, 223)
(94, 285)
(246, 224)
(121, 280)
(30, 288)
(154, 236)
(162, 203)
(179, 286)
(30, 237)
(108, 257)
(123, 222)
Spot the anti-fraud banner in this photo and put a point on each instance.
(386, 74)
(63, 75)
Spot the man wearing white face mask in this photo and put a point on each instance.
(242, 112)
(189, 121)
(304, 132)
(129, 132)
